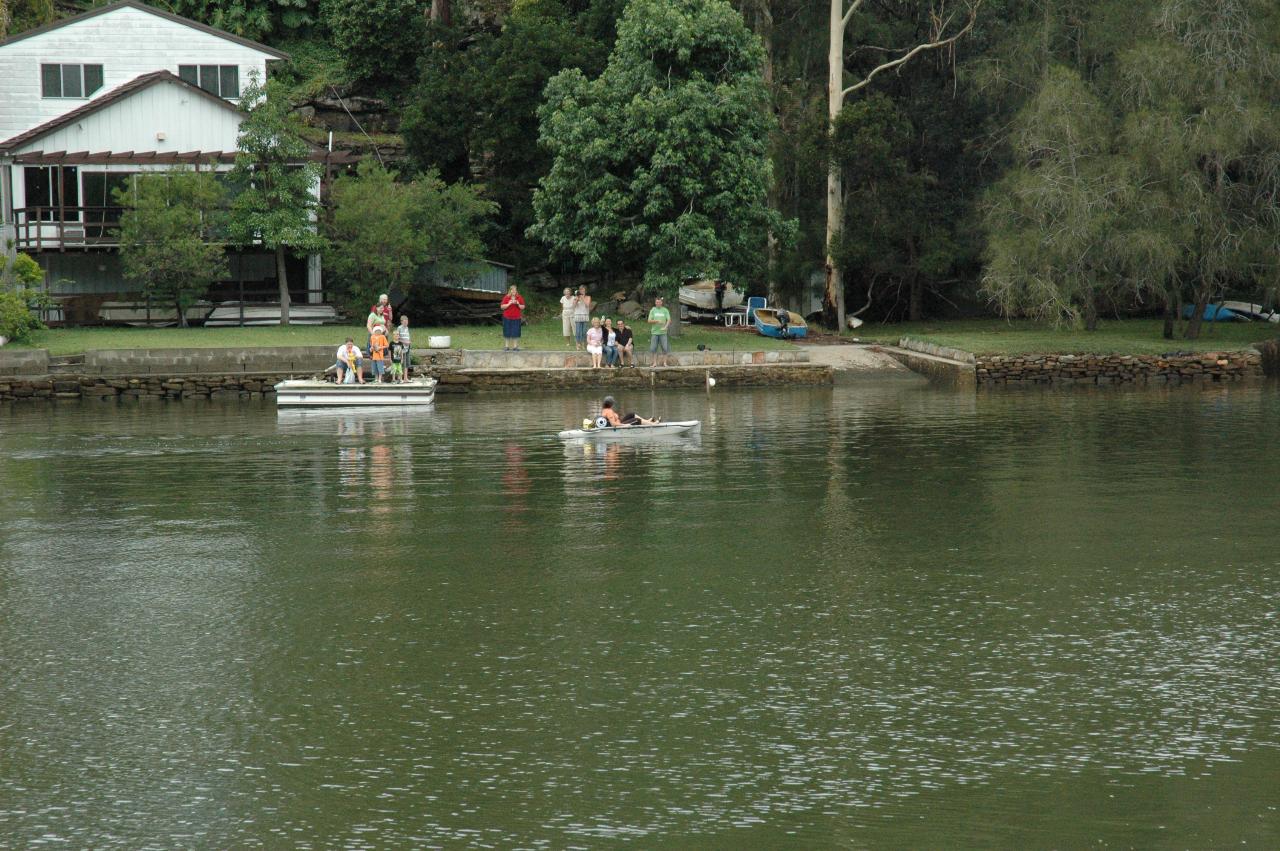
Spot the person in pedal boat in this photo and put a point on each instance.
(611, 416)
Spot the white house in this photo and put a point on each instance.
(89, 100)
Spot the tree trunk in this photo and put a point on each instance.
(282, 276)
(833, 296)
(1197, 316)
(442, 12)
(764, 29)
(182, 316)
(1170, 315)
(915, 299)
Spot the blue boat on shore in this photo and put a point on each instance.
(1215, 313)
(771, 323)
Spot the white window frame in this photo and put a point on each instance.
(84, 95)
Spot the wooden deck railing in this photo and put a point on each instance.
(59, 228)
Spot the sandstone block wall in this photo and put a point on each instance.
(1117, 369)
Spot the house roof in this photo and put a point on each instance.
(119, 93)
(151, 10)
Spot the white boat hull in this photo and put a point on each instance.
(702, 296)
(636, 432)
(317, 394)
(228, 314)
(1252, 311)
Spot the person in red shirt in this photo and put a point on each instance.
(512, 316)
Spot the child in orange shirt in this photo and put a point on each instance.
(378, 352)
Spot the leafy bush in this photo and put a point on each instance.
(19, 298)
(379, 39)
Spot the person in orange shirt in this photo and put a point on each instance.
(378, 352)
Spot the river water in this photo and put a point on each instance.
(874, 616)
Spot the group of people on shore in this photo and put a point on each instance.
(390, 357)
(611, 343)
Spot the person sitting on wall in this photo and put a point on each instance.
(626, 345)
(349, 364)
(611, 416)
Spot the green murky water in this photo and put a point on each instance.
(882, 616)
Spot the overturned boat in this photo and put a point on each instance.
(315, 393)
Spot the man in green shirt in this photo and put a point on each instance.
(659, 322)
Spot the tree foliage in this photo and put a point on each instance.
(256, 19)
(379, 40)
(1155, 177)
(661, 163)
(383, 230)
(168, 235)
(275, 205)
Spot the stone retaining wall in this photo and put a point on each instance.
(139, 387)
(452, 380)
(515, 381)
(1117, 369)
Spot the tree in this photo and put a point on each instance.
(383, 230)
(378, 40)
(167, 234)
(661, 163)
(277, 204)
(1202, 135)
(1051, 221)
(946, 28)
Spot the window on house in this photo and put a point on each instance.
(221, 80)
(52, 189)
(69, 81)
(100, 204)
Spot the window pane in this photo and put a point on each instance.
(37, 186)
(71, 84)
(209, 78)
(189, 73)
(92, 79)
(71, 192)
(51, 81)
(230, 81)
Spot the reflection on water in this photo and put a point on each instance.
(884, 616)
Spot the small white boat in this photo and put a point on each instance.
(313, 393)
(635, 432)
(1251, 311)
(227, 314)
(701, 295)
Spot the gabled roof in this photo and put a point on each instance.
(119, 93)
(151, 10)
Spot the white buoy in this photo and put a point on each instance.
(711, 382)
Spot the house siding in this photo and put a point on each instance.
(188, 121)
(127, 43)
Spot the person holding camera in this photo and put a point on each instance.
(512, 318)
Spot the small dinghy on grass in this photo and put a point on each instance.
(314, 393)
(1251, 311)
(770, 325)
(1215, 313)
(635, 432)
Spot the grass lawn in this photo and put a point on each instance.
(539, 334)
(1127, 336)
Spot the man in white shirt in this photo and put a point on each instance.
(349, 359)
